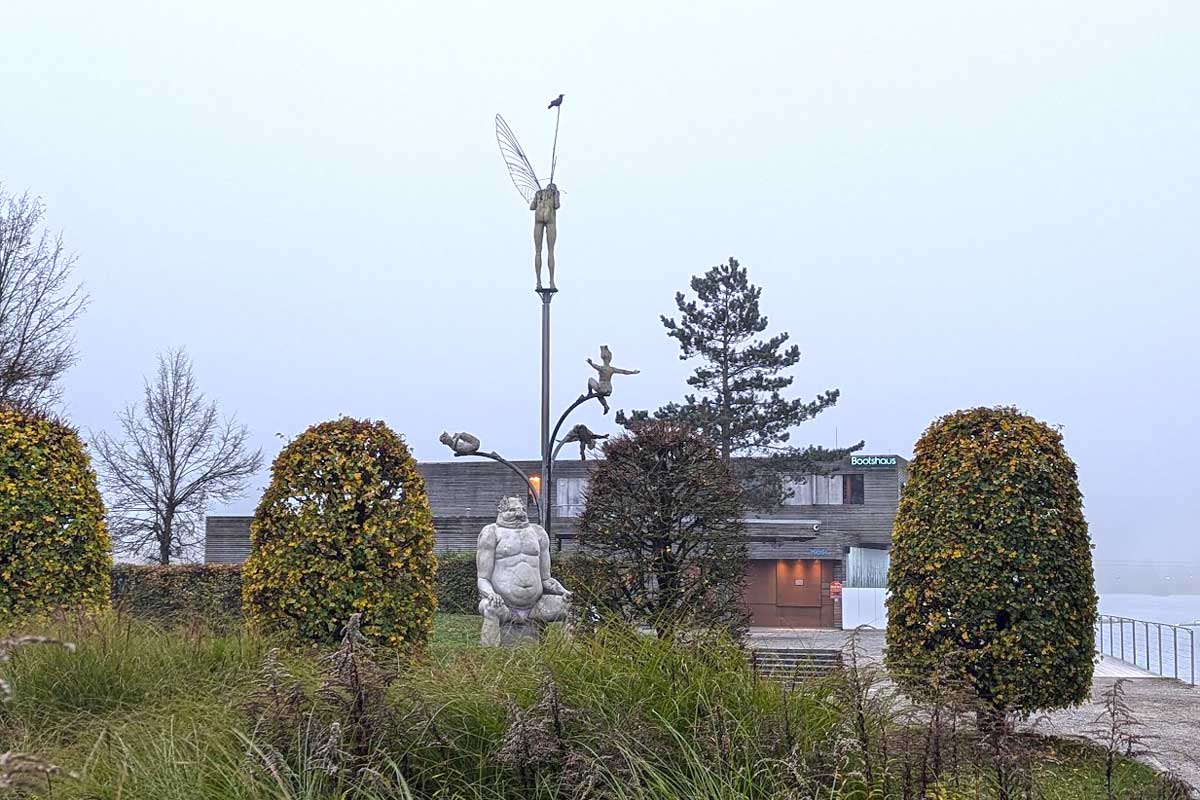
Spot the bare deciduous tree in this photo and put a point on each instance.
(38, 306)
(176, 456)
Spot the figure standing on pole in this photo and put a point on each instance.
(545, 211)
(543, 202)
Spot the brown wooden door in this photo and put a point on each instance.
(760, 592)
(798, 583)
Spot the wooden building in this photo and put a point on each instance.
(798, 553)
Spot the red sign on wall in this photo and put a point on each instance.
(835, 589)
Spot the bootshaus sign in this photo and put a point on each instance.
(872, 461)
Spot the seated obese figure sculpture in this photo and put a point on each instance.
(512, 565)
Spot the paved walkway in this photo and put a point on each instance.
(1116, 668)
(1169, 709)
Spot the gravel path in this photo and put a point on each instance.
(1169, 709)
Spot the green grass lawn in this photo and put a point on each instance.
(139, 712)
(454, 631)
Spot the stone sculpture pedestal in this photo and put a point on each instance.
(508, 634)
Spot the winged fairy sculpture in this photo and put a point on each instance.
(543, 202)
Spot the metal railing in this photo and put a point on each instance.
(1157, 647)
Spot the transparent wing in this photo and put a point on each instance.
(523, 176)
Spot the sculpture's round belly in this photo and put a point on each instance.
(520, 585)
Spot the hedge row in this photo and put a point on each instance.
(214, 591)
(177, 592)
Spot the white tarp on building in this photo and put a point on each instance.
(864, 607)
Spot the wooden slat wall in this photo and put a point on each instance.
(463, 496)
(869, 524)
(226, 539)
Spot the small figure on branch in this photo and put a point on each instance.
(463, 444)
(601, 386)
(586, 437)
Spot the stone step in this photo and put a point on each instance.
(793, 664)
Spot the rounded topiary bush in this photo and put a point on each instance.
(343, 528)
(991, 573)
(54, 547)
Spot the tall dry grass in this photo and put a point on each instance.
(140, 711)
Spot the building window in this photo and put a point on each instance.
(568, 496)
(815, 490)
(533, 497)
(852, 490)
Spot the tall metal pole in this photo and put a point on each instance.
(554, 151)
(547, 295)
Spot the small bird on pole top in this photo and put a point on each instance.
(556, 102)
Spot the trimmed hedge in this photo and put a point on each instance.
(54, 546)
(343, 528)
(991, 573)
(179, 591)
(456, 592)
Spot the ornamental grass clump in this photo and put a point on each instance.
(141, 711)
(991, 570)
(54, 547)
(582, 717)
(344, 528)
(25, 771)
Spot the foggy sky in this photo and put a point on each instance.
(948, 204)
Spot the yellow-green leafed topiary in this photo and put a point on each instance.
(991, 573)
(343, 528)
(54, 548)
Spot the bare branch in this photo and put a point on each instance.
(38, 306)
(175, 456)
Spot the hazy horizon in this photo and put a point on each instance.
(946, 205)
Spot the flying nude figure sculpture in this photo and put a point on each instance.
(601, 385)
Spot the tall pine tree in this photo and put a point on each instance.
(738, 402)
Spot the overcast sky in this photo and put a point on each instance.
(947, 204)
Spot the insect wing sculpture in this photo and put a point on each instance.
(519, 168)
(544, 203)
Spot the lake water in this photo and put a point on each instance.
(1175, 609)
(1165, 651)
